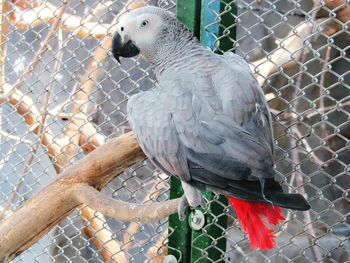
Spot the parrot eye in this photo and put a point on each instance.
(122, 28)
(144, 23)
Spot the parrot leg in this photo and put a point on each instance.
(191, 198)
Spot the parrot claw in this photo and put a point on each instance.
(203, 204)
(181, 209)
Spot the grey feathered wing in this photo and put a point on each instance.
(224, 122)
(155, 131)
(244, 100)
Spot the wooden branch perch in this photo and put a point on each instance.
(74, 186)
(122, 210)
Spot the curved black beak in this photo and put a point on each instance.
(120, 49)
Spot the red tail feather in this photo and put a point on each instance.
(250, 216)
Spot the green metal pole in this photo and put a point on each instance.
(209, 243)
(188, 11)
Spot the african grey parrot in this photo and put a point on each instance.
(206, 121)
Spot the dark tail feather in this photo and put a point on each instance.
(271, 194)
(250, 215)
(290, 201)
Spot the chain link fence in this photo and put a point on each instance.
(63, 95)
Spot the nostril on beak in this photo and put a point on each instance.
(125, 39)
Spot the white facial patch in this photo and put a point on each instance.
(147, 29)
(141, 29)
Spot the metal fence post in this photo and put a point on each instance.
(207, 244)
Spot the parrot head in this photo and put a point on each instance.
(150, 31)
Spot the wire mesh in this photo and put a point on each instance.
(63, 94)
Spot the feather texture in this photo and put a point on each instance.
(251, 217)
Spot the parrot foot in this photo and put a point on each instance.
(185, 203)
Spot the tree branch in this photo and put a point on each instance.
(289, 49)
(285, 55)
(121, 210)
(25, 107)
(36, 217)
